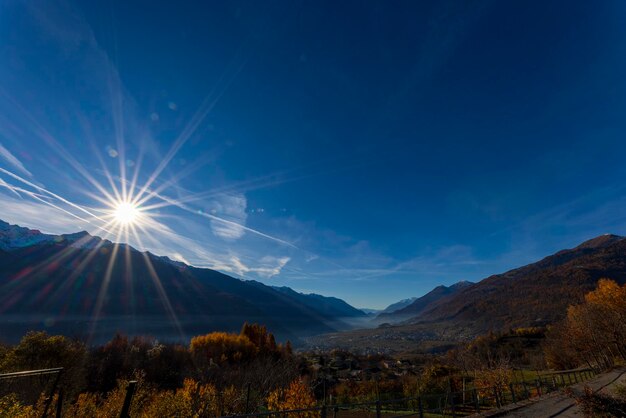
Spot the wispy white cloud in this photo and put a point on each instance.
(232, 208)
(37, 215)
(267, 267)
(13, 161)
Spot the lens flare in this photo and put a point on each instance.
(126, 213)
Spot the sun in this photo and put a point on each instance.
(126, 213)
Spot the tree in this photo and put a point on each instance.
(38, 350)
(594, 332)
(297, 396)
(221, 348)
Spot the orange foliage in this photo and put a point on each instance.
(497, 378)
(593, 332)
(259, 336)
(222, 348)
(192, 400)
(218, 348)
(297, 396)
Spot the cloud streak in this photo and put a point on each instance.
(13, 161)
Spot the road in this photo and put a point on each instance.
(560, 405)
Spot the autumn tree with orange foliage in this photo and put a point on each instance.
(297, 396)
(226, 373)
(594, 332)
(220, 348)
(251, 361)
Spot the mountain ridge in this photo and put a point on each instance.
(558, 280)
(425, 302)
(55, 277)
(398, 305)
(534, 295)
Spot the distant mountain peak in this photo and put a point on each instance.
(399, 305)
(600, 241)
(329, 305)
(15, 236)
(82, 240)
(76, 235)
(427, 301)
(461, 284)
(168, 260)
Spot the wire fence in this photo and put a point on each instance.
(451, 404)
(29, 385)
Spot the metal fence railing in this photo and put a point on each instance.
(29, 386)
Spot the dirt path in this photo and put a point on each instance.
(560, 405)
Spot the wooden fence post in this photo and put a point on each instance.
(452, 405)
(476, 402)
(495, 392)
(60, 403)
(378, 412)
(512, 392)
(420, 407)
(538, 383)
(49, 398)
(248, 399)
(130, 391)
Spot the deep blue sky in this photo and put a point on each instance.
(372, 150)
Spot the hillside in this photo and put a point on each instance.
(539, 293)
(533, 295)
(61, 283)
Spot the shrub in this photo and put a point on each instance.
(599, 405)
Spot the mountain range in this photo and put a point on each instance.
(539, 293)
(534, 295)
(413, 307)
(82, 285)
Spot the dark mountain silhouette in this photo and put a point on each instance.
(64, 282)
(426, 302)
(328, 306)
